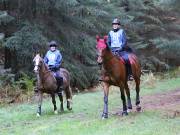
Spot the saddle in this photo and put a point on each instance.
(127, 62)
(58, 77)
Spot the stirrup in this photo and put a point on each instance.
(100, 78)
(130, 78)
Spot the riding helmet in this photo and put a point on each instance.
(116, 21)
(52, 43)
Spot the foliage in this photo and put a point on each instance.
(167, 47)
(152, 29)
(5, 18)
(24, 42)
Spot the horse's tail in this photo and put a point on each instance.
(135, 63)
(68, 90)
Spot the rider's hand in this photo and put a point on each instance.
(51, 67)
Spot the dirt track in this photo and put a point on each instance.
(168, 103)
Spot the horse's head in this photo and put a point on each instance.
(38, 61)
(101, 47)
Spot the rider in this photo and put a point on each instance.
(118, 43)
(53, 59)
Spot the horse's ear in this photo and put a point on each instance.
(97, 38)
(40, 54)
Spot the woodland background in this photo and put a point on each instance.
(152, 28)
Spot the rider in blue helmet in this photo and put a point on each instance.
(118, 43)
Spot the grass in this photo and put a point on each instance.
(20, 119)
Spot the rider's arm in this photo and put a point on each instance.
(124, 40)
(58, 60)
(46, 59)
(109, 40)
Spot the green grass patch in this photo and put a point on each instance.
(85, 119)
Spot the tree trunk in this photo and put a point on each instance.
(33, 8)
(7, 62)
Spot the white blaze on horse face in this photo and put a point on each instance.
(36, 60)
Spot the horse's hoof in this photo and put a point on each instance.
(104, 116)
(62, 109)
(38, 115)
(69, 108)
(124, 113)
(138, 108)
(55, 112)
(129, 110)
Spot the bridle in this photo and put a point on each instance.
(104, 60)
(38, 66)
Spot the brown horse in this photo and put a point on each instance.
(47, 84)
(114, 73)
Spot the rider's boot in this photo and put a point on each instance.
(60, 84)
(129, 72)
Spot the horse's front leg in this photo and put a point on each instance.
(106, 93)
(60, 94)
(40, 96)
(54, 103)
(128, 97)
(123, 98)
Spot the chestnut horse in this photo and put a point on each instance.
(47, 84)
(114, 73)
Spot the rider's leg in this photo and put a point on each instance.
(128, 65)
(59, 80)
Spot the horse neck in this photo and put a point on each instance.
(43, 71)
(107, 55)
(109, 60)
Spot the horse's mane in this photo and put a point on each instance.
(45, 65)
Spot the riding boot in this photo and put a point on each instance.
(59, 84)
(129, 72)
